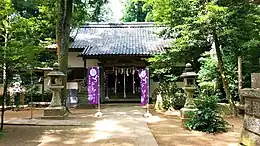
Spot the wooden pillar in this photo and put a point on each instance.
(101, 90)
(149, 82)
(85, 67)
(106, 82)
(133, 74)
(116, 73)
(124, 72)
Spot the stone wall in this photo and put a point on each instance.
(250, 135)
(255, 78)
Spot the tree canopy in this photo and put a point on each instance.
(135, 11)
(28, 26)
(229, 28)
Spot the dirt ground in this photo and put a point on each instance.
(116, 128)
(25, 113)
(168, 131)
(16, 135)
(166, 128)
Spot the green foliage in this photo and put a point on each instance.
(207, 117)
(135, 11)
(20, 46)
(209, 80)
(44, 13)
(172, 96)
(38, 97)
(237, 25)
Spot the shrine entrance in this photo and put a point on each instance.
(122, 84)
(120, 81)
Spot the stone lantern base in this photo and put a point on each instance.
(57, 113)
(185, 113)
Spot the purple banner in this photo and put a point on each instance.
(93, 85)
(144, 83)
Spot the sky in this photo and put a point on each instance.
(117, 7)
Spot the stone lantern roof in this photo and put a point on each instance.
(188, 73)
(56, 71)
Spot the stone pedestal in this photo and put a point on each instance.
(189, 103)
(189, 106)
(58, 113)
(55, 101)
(55, 110)
(250, 135)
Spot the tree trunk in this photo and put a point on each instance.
(3, 102)
(63, 40)
(240, 82)
(221, 70)
(5, 78)
(59, 28)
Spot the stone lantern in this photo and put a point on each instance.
(189, 77)
(55, 109)
(55, 84)
(189, 85)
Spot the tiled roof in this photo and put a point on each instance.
(119, 39)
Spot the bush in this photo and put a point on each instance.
(207, 118)
(38, 97)
(172, 96)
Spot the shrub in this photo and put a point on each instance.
(207, 118)
(172, 96)
(38, 97)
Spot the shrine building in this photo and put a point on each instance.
(119, 49)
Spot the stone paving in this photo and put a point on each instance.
(120, 125)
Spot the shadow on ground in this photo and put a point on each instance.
(122, 126)
(168, 131)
